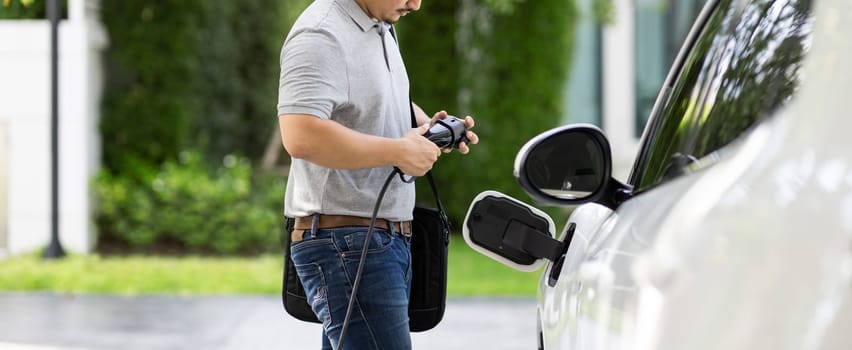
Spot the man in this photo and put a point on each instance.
(345, 119)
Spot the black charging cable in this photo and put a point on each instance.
(449, 132)
(364, 252)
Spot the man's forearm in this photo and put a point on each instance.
(329, 144)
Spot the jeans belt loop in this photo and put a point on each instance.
(315, 223)
(391, 227)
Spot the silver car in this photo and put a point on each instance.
(734, 228)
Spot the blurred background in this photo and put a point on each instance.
(170, 167)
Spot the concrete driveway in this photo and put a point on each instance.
(50, 321)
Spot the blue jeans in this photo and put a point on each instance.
(326, 261)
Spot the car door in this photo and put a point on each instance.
(738, 67)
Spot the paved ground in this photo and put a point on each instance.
(48, 322)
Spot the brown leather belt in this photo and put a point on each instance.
(334, 221)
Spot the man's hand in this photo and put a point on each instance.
(418, 154)
(468, 123)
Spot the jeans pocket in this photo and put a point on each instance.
(380, 240)
(316, 290)
(309, 241)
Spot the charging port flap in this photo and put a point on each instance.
(510, 231)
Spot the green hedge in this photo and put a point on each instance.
(187, 208)
(189, 74)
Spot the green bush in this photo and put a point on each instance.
(186, 208)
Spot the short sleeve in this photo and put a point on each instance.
(313, 76)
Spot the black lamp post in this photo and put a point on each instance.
(54, 250)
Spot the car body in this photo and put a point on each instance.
(734, 229)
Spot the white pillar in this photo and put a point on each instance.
(83, 39)
(619, 85)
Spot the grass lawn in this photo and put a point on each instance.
(470, 274)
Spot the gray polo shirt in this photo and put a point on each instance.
(339, 64)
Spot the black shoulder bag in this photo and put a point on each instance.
(430, 238)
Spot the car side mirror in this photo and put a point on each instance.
(510, 231)
(569, 165)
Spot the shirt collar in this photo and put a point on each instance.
(357, 14)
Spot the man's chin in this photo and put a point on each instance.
(396, 16)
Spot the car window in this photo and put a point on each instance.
(744, 65)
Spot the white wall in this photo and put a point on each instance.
(25, 110)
